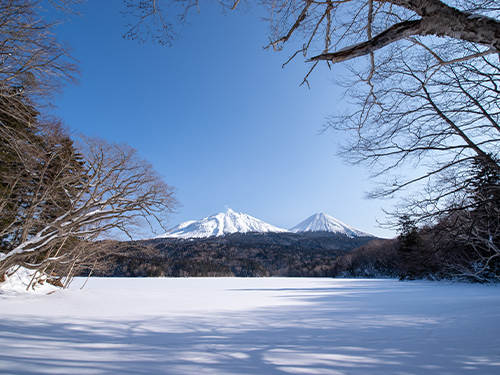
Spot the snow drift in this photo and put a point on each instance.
(21, 279)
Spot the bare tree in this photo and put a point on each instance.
(338, 30)
(32, 60)
(34, 67)
(427, 97)
(440, 117)
(56, 200)
(425, 101)
(117, 191)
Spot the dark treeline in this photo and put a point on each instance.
(461, 242)
(246, 256)
(205, 259)
(428, 253)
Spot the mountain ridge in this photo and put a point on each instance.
(219, 225)
(321, 222)
(231, 222)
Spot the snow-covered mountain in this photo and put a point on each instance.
(236, 222)
(219, 225)
(325, 223)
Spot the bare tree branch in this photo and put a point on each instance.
(391, 35)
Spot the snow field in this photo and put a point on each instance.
(251, 326)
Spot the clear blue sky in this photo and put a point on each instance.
(218, 117)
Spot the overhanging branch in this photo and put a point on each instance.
(394, 33)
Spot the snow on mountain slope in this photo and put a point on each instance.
(325, 223)
(219, 225)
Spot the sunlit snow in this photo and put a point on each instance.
(321, 222)
(219, 225)
(234, 222)
(248, 326)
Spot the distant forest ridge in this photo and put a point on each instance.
(307, 254)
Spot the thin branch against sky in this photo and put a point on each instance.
(218, 117)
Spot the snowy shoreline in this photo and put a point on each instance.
(252, 326)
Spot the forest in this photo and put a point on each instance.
(426, 100)
(240, 255)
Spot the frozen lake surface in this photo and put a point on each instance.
(251, 326)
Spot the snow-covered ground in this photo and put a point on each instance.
(251, 326)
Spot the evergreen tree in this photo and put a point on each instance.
(483, 230)
(409, 250)
(17, 134)
(40, 171)
(485, 193)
